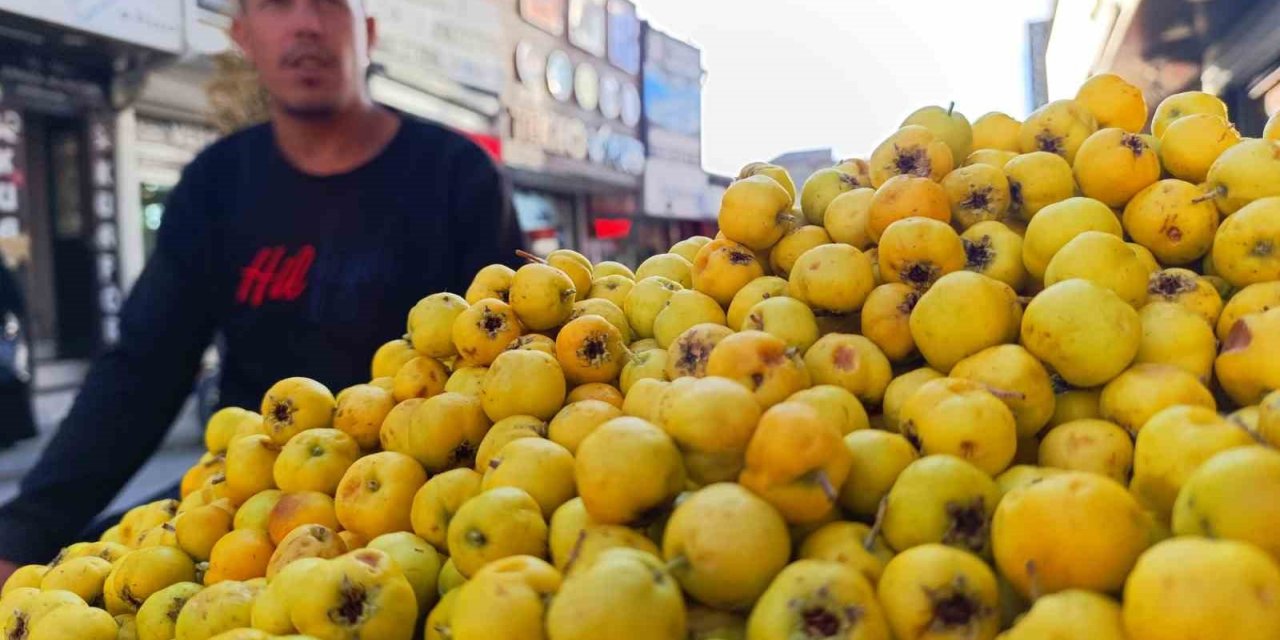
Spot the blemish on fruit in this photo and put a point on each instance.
(970, 525)
(1046, 141)
(979, 199)
(978, 255)
(350, 609)
(1134, 143)
(820, 623)
(912, 161)
(844, 358)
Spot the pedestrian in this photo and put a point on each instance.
(16, 420)
(300, 242)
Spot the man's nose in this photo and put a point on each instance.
(305, 17)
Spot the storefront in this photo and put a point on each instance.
(570, 123)
(65, 74)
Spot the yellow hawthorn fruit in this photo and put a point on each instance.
(359, 595)
(940, 498)
(215, 610)
(1113, 165)
(852, 544)
(496, 524)
(1085, 332)
(567, 525)
(588, 348)
(820, 188)
(1246, 249)
(945, 335)
(752, 293)
(1037, 180)
(607, 310)
(977, 193)
(796, 462)
(623, 589)
(817, 596)
(755, 211)
(293, 510)
(393, 435)
(1058, 224)
(416, 560)
(200, 528)
(912, 150)
(1174, 335)
(520, 587)
(272, 606)
(711, 420)
(1255, 298)
(1200, 588)
(534, 342)
(306, 541)
(1104, 260)
(446, 430)
(1143, 390)
(685, 309)
(994, 250)
(904, 197)
(1113, 102)
(960, 417)
(541, 467)
(777, 173)
(593, 541)
(885, 316)
(786, 318)
(1173, 221)
(464, 379)
(420, 377)
(82, 576)
(250, 464)
(1248, 171)
(542, 296)
(710, 553)
(436, 502)
(1018, 379)
(602, 391)
(315, 460)
(1095, 446)
(646, 300)
(688, 353)
(1073, 613)
(610, 268)
(948, 125)
(1106, 528)
(377, 492)
(158, 616)
(647, 364)
(688, 247)
(361, 410)
(75, 622)
(998, 131)
(224, 425)
(570, 425)
(26, 607)
(762, 363)
(296, 404)
(538, 375)
(254, 512)
(492, 281)
(852, 362)
(833, 278)
(878, 459)
(1232, 495)
(666, 265)
(484, 330)
(241, 555)
(796, 241)
(390, 356)
(1183, 104)
(430, 324)
(1247, 368)
(935, 591)
(1192, 143)
(918, 251)
(208, 466)
(835, 405)
(858, 168)
(1059, 127)
(626, 468)
(1187, 289)
(847, 216)
(992, 157)
(576, 266)
(613, 288)
(642, 398)
(1171, 446)
(722, 268)
(145, 571)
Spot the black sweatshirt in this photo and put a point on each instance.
(301, 275)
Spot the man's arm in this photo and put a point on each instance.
(131, 394)
(484, 220)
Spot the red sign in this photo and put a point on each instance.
(491, 144)
(612, 228)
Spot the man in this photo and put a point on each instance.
(303, 242)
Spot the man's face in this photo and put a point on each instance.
(310, 54)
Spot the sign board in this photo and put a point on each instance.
(674, 189)
(421, 42)
(547, 15)
(588, 26)
(672, 84)
(13, 175)
(47, 84)
(156, 24)
(624, 36)
(106, 236)
(675, 185)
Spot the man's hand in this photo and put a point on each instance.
(6, 569)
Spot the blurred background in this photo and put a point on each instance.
(619, 122)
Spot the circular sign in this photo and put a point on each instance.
(530, 67)
(610, 97)
(560, 75)
(586, 85)
(630, 105)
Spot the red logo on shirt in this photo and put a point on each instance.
(272, 275)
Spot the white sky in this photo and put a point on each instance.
(784, 75)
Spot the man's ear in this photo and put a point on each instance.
(239, 35)
(371, 36)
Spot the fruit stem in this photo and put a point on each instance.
(870, 542)
(820, 478)
(951, 107)
(1005, 394)
(530, 257)
(677, 563)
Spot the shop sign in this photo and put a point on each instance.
(547, 15)
(624, 36)
(190, 138)
(12, 174)
(106, 233)
(588, 24)
(672, 84)
(565, 136)
(44, 83)
(423, 41)
(156, 24)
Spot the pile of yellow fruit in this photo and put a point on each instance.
(1009, 379)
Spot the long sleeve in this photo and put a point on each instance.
(484, 221)
(132, 392)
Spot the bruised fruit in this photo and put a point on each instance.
(589, 349)
(1113, 165)
(294, 405)
(935, 591)
(484, 330)
(1059, 127)
(1247, 368)
(1171, 219)
(1255, 298)
(818, 599)
(724, 267)
(904, 197)
(942, 499)
(762, 363)
(960, 417)
(852, 362)
(689, 352)
(1037, 180)
(912, 150)
(1096, 446)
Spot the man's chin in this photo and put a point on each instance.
(309, 109)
